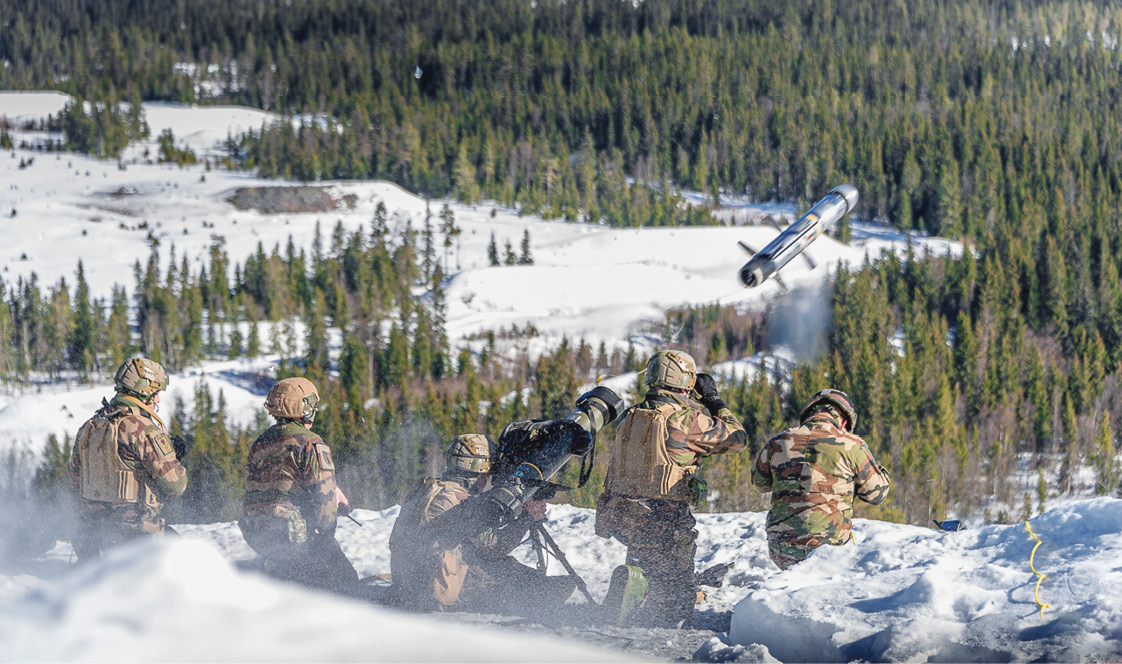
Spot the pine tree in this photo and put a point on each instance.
(493, 252)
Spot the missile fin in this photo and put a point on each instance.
(746, 248)
(809, 260)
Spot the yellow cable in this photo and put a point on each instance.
(1036, 593)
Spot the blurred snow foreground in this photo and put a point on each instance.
(902, 593)
(182, 600)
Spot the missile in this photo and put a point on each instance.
(796, 237)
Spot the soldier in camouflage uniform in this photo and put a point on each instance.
(124, 463)
(651, 479)
(291, 499)
(813, 472)
(434, 569)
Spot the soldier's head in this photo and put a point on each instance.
(141, 378)
(293, 399)
(834, 401)
(469, 455)
(672, 370)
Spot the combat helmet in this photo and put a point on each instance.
(837, 399)
(140, 377)
(293, 399)
(672, 369)
(468, 453)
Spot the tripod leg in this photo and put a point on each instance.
(560, 555)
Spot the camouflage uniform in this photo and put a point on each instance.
(645, 504)
(122, 489)
(432, 571)
(813, 472)
(291, 507)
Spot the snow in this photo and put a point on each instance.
(901, 593)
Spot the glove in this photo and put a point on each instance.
(706, 389)
(699, 489)
(180, 446)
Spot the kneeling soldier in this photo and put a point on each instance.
(124, 463)
(813, 471)
(432, 571)
(291, 500)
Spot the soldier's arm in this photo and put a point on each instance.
(316, 472)
(761, 471)
(155, 454)
(702, 433)
(871, 479)
(74, 469)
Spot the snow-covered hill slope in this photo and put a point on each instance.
(587, 281)
(901, 593)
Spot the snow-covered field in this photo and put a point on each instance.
(901, 593)
(587, 281)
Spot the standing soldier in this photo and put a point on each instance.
(124, 463)
(812, 472)
(433, 570)
(652, 479)
(291, 500)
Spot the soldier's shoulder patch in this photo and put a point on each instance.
(323, 454)
(163, 444)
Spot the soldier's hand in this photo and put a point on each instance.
(181, 447)
(344, 504)
(706, 389)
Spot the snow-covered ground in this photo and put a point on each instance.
(902, 593)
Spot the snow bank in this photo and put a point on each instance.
(905, 593)
(183, 601)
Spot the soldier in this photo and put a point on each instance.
(812, 472)
(651, 481)
(291, 499)
(434, 569)
(124, 463)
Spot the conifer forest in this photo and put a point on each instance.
(993, 122)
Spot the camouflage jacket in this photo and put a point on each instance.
(144, 455)
(289, 488)
(813, 471)
(428, 568)
(647, 462)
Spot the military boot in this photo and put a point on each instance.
(626, 592)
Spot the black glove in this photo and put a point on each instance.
(180, 446)
(706, 389)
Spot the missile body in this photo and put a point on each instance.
(798, 236)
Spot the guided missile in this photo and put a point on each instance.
(798, 236)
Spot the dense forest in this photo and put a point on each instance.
(995, 122)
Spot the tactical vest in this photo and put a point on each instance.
(640, 466)
(413, 570)
(104, 476)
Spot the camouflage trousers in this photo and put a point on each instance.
(506, 586)
(661, 539)
(318, 562)
(102, 526)
(787, 548)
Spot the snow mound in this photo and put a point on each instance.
(183, 600)
(914, 594)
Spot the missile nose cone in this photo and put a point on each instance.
(849, 193)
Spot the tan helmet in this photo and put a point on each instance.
(140, 377)
(469, 453)
(836, 399)
(673, 369)
(293, 399)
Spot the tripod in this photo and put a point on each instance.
(543, 542)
